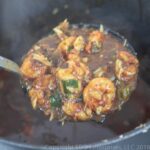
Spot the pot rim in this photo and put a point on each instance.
(142, 128)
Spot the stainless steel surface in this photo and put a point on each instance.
(9, 65)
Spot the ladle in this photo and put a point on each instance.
(9, 65)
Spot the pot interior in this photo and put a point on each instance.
(34, 20)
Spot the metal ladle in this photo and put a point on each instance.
(9, 65)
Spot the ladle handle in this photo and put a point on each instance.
(9, 65)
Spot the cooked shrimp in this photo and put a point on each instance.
(79, 70)
(94, 41)
(44, 82)
(71, 45)
(70, 86)
(126, 66)
(32, 68)
(39, 98)
(77, 111)
(40, 92)
(77, 67)
(99, 94)
(66, 45)
(36, 96)
(73, 76)
(73, 57)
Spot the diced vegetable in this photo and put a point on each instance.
(96, 47)
(68, 85)
(41, 58)
(124, 93)
(101, 28)
(36, 47)
(61, 29)
(55, 99)
(60, 33)
(99, 72)
(71, 88)
(63, 25)
(70, 48)
(79, 43)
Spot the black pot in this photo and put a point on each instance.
(25, 22)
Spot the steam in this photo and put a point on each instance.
(22, 20)
(17, 16)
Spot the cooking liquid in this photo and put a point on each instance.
(19, 122)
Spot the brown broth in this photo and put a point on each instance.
(19, 122)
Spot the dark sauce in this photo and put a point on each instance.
(19, 122)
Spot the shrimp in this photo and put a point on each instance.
(71, 45)
(99, 95)
(77, 111)
(40, 91)
(126, 66)
(71, 78)
(69, 85)
(94, 42)
(32, 68)
(66, 45)
(36, 95)
(44, 82)
(79, 69)
(39, 98)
